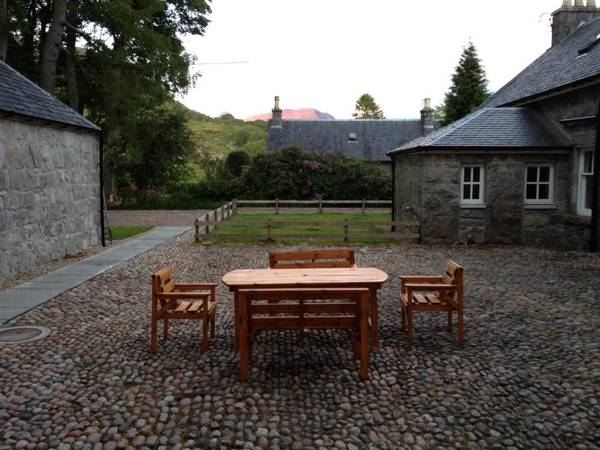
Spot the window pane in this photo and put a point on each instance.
(544, 192)
(545, 174)
(475, 192)
(467, 192)
(530, 192)
(588, 162)
(588, 186)
(476, 174)
(532, 174)
(467, 174)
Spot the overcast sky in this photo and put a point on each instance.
(324, 54)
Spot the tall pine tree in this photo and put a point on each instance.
(468, 89)
(367, 108)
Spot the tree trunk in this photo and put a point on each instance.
(72, 89)
(52, 46)
(3, 29)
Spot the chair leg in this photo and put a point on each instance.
(166, 328)
(402, 318)
(212, 325)
(409, 326)
(449, 320)
(205, 325)
(153, 326)
(461, 327)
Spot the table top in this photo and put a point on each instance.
(357, 276)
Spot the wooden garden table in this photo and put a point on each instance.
(351, 277)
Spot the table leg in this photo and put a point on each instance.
(243, 334)
(236, 322)
(374, 318)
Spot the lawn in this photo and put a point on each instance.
(236, 224)
(121, 232)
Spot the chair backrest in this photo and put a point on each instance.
(312, 260)
(162, 281)
(453, 274)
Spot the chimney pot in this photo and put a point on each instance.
(579, 3)
(277, 114)
(567, 3)
(427, 103)
(591, 4)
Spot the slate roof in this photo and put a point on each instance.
(509, 127)
(20, 96)
(375, 137)
(560, 66)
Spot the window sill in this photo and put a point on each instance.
(539, 206)
(473, 205)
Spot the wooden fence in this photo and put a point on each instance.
(213, 218)
(318, 204)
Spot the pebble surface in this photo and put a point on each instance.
(528, 376)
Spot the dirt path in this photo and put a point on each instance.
(154, 218)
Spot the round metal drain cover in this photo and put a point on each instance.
(27, 333)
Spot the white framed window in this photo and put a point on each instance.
(472, 187)
(586, 179)
(539, 184)
(352, 137)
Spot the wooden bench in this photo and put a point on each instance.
(319, 259)
(443, 293)
(182, 301)
(304, 309)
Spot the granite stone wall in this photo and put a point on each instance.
(49, 191)
(434, 193)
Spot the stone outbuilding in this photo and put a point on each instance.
(367, 139)
(49, 177)
(521, 168)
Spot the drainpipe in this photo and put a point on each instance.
(101, 171)
(596, 186)
(393, 193)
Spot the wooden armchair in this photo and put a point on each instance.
(443, 293)
(182, 301)
(319, 259)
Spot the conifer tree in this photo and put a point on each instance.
(367, 108)
(468, 89)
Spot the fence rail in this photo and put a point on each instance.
(363, 204)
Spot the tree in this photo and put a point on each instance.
(52, 45)
(366, 108)
(3, 28)
(236, 161)
(468, 89)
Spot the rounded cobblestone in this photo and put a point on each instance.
(527, 378)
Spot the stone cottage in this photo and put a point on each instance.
(49, 177)
(368, 140)
(521, 168)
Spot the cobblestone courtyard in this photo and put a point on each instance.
(528, 376)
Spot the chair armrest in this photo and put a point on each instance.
(183, 295)
(431, 287)
(192, 286)
(421, 278)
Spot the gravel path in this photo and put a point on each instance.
(154, 218)
(527, 378)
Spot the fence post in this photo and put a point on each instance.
(276, 206)
(346, 230)
(216, 216)
(320, 206)
(234, 205)
(223, 212)
(269, 237)
(207, 226)
(363, 206)
(197, 230)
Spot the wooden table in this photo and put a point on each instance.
(352, 277)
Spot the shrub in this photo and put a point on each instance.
(236, 161)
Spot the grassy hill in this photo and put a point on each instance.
(222, 135)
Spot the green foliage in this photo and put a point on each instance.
(236, 161)
(469, 87)
(367, 108)
(293, 174)
(156, 145)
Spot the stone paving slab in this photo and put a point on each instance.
(22, 298)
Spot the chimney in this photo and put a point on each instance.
(426, 117)
(277, 117)
(571, 16)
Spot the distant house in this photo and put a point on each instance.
(368, 140)
(521, 168)
(49, 177)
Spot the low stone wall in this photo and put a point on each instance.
(49, 194)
